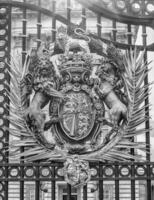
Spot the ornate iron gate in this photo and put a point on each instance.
(134, 14)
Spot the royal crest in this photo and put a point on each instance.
(81, 107)
(78, 103)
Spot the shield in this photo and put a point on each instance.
(78, 115)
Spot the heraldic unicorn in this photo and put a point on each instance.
(75, 101)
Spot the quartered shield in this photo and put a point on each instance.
(78, 115)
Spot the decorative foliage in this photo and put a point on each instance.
(76, 86)
(136, 69)
(34, 149)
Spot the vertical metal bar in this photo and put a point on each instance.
(101, 189)
(24, 36)
(6, 113)
(37, 184)
(53, 20)
(9, 36)
(129, 34)
(85, 192)
(68, 192)
(68, 11)
(147, 123)
(7, 78)
(24, 46)
(39, 25)
(152, 192)
(53, 184)
(129, 39)
(132, 182)
(114, 30)
(6, 191)
(149, 186)
(22, 182)
(116, 182)
(84, 18)
(99, 26)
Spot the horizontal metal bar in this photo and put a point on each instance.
(60, 164)
(50, 178)
(109, 14)
(148, 21)
(123, 179)
(62, 19)
(42, 164)
(31, 179)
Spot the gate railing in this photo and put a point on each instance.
(129, 173)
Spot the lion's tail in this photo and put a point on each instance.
(82, 33)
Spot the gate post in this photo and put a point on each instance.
(101, 193)
(5, 46)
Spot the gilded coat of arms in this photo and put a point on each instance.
(76, 101)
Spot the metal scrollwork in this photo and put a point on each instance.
(92, 105)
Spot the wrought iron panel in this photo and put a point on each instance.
(134, 13)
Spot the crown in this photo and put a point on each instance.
(76, 62)
(76, 67)
(62, 29)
